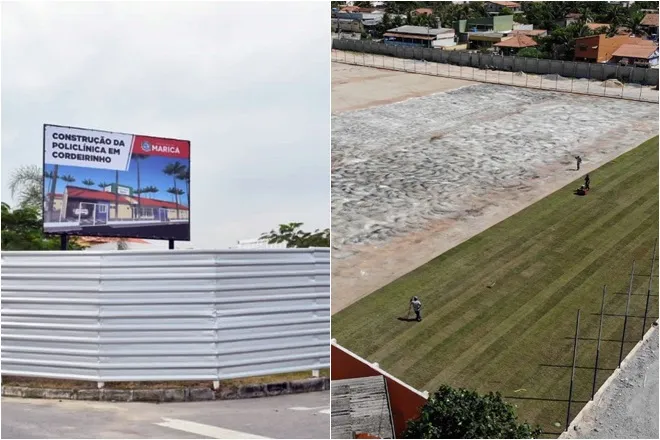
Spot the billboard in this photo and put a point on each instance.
(101, 183)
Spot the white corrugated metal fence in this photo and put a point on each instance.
(165, 315)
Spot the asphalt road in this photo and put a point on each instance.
(293, 416)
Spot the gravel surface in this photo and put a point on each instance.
(547, 82)
(414, 178)
(628, 405)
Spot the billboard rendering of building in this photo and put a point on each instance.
(100, 183)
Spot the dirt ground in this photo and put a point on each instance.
(547, 82)
(417, 176)
(627, 407)
(357, 87)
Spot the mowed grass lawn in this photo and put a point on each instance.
(546, 262)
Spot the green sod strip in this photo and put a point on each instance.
(499, 310)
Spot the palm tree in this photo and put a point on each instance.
(149, 190)
(137, 158)
(185, 176)
(176, 192)
(68, 178)
(174, 169)
(88, 182)
(26, 185)
(634, 22)
(116, 194)
(102, 185)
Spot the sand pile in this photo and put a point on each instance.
(612, 83)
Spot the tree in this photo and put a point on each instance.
(102, 185)
(531, 52)
(634, 22)
(505, 11)
(149, 190)
(174, 169)
(137, 158)
(88, 182)
(117, 195)
(185, 177)
(26, 186)
(294, 237)
(460, 413)
(21, 231)
(176, 192)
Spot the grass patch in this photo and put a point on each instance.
(499, 309)
(34, 382)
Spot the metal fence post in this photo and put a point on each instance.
(526, 72)
(648, 292)
(588, 78)
(625, 319)
(600, 332)
(570, 391)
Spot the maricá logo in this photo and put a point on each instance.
(147, 147)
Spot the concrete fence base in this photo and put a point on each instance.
(163, 395)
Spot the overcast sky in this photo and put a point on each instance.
(247, 83)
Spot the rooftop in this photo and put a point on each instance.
(594, 26)
(517, 41)
(424, 11)
(360, 406)
(650, 20)
(635, 51)
(507, 4)
(86, 193)
(420, 30)
(529, 32)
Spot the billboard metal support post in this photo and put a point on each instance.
(600, 332)
(64, 242)
(570, 391)
(625, 318)
(648, 292)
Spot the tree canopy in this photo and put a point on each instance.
(460, 413)
(295, 237)
(21, 231)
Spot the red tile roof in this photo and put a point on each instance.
(634, 51)
(650, 20)
(161, 204)
(86, 193)
(517, 41)
(84, 240)
(507, 4)
(594, 26)
(424, 11)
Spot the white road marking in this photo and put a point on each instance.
(205, 430)
(325, 411)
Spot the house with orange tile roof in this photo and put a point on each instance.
(422, 11)
(511, 45)
(636, 55)
(89, 206)
(650, 24)
(600, 48)
(497, 7)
